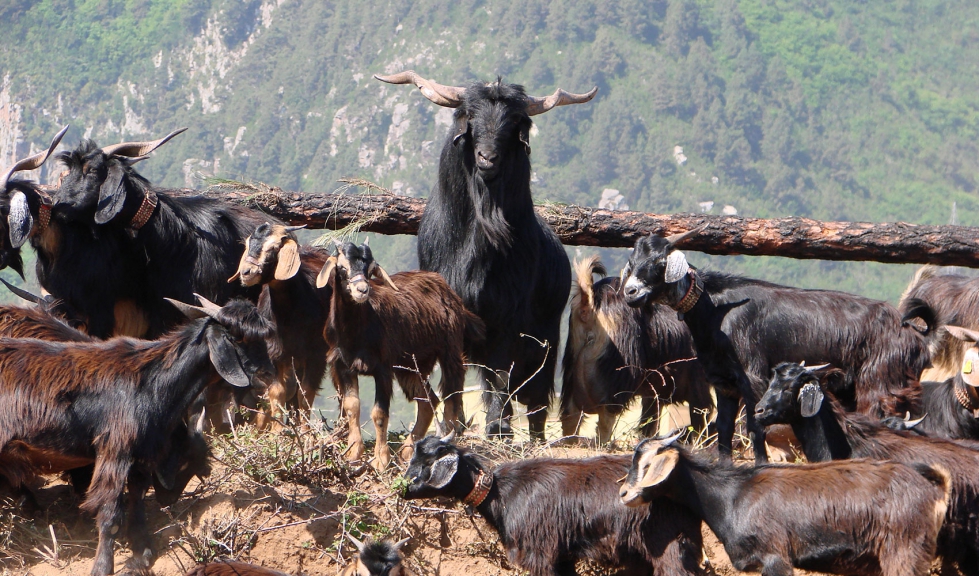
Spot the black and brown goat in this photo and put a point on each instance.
(550, 513)
(397, 327)
(376, 558)
(801, 397)
(274, 258)
(187, 454)
(188, 245)
(954, 300)
(742, 328)
(116, 404)
(615, 353)
(856, 517)
(481, 233)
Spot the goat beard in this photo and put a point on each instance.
(488, 211)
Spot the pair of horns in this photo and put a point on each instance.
(207, 308)
(451, 96)
(360, 545)
(377, 266)
(33, 162)
(138, 149)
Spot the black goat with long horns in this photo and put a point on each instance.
(481, 233)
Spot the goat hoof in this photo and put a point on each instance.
(355, 452)
(499, 429)
(406, 452)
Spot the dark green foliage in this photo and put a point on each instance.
(829, 108)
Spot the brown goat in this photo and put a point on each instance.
(954, 300)
(115, 404)
(273, 257)
(232, 568)
(396, 328)
(852, 517)
(616, 352)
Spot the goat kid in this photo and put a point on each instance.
(857, 517)
(115, 404)
(742, 328)
(550, 513)
(376, 558)
(800, 396)
(615, 353)
(273, 258)
(396, 328)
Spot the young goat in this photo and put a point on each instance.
(115, 404)
(187, 454)
(376, 559)
(616, 352)
(798, 396)
(743, 327)
(857, 517)
(232, 568)
(551, 513)
(396, 328)
(274, 258)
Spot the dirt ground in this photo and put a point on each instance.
(284, 500)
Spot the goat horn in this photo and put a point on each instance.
(538, 105)
(294, 228)
(814, 368)
(188, 310)
(449, 437)
(200, 423)
(671, 439)
(400, 543)
(387, 278)
(674, 238)
(909, 424)
(33, 162)
(448, 96)
(207, 306)
(134, 149)
(21, 292)
(367, 240)
(357, 543)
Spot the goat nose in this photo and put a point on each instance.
(631, 290)
(485, 159)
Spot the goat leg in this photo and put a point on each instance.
(139, 536)
(606, 424)
(727, 414)
(496, 400)
(351, 410)
(380, 415)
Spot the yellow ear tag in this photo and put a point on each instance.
(967, 367)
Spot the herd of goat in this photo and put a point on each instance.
(161, 311)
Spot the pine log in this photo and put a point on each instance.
(582, 226)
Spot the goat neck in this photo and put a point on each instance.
(707, 489)
(822, 435)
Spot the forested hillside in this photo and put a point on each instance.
(835, 109)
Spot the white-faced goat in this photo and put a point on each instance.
(115, 404)
(274, 258)
(550, 513)
(800, 396)
(615, 353)
(397, 327)
(742, 328)
(857, 517)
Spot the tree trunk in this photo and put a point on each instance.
(580, 226)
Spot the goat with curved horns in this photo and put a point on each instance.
(481, 233)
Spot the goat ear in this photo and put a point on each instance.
(19, 220)
(659, 469)
(443, 470)
(289, 262)
(810, 399)
(112, 195)
(326, 274)
(461, 127)
(676, 267)
(224, 357)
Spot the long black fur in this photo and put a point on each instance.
(481, 233)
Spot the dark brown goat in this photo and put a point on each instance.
(856, 517)
(955, 301)
(395, 328)
(115, 404)
(550, 513)
(799, 396)
(615, 353)
(273, 257)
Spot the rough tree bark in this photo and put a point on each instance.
(576, 225)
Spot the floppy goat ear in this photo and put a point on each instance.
(810, 399)
(326, 274)
(112, 195)
(443, 470)
(19, 220)
(659, 468)
(224, 357)
(289, 262)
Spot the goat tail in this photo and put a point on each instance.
(925, 272)
(475, 330)
(583, 285)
